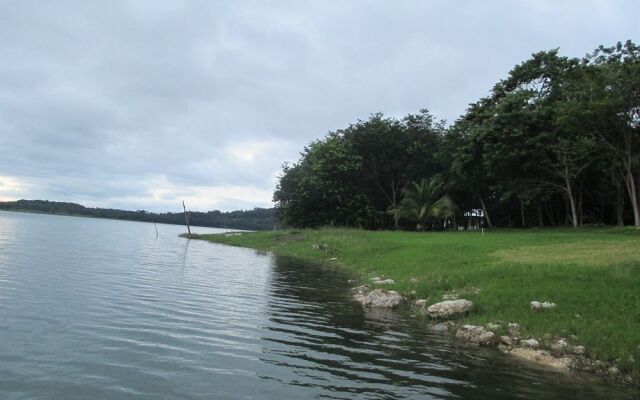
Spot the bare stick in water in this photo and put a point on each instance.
(154, 225)
(186, 218)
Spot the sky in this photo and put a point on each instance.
(142, 104)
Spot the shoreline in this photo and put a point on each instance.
(110, 219)
(397, 260)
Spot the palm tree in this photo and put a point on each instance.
(424, 199)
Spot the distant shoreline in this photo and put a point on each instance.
(251, 220)
(106, 218)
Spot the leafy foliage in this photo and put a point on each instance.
(557, 142)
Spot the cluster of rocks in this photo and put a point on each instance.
(377, 298)
(477, 334)
(606, 370)
(555, 353)
(230, 234)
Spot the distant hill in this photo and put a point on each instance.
(256, 219)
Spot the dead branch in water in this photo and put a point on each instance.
(187, 217)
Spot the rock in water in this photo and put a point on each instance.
(449, 308)
(476, 334)
(440, 329)
(541, 357)
(380, 298)
(360, 292)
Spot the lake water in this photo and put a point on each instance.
(100, 309)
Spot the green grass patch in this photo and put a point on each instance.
(592, 274)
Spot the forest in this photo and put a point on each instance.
(256, 219)
(555, 143)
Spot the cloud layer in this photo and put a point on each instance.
(142, 104)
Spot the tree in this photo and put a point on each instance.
(610, 98)
(467, 173)
(323, 188)
(392, 153)
(424, 199)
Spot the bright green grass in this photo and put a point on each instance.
(592, 274)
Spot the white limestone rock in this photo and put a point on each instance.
(380, 298)
(449, 308)
(476, 334)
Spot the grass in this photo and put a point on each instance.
(592, 274)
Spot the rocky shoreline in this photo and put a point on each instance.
(552, 352)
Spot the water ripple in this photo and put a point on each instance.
(102, 310)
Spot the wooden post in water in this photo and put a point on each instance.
(186, 218)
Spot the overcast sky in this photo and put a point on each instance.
(141, 104)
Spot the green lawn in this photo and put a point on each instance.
(592, 274)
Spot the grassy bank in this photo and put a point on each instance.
(592, 274)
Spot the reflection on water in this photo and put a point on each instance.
(335, 349)
(102, 310)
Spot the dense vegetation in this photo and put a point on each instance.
(256, 219)
(591, 273)
(555, 143)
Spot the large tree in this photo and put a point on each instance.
(609, 97)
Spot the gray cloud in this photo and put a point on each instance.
(140, 104)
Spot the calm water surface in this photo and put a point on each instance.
(99, 309)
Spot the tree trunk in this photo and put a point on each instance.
(633, 195)
(524, 222)
(572, 203)
(484, 210)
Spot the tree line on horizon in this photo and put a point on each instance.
(256, 219)
(555, 143)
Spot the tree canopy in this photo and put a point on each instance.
(556, 142)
